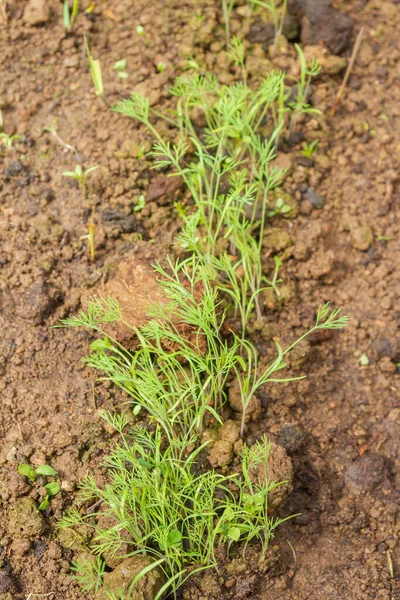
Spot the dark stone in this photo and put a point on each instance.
(291, 438)
(7, 583)
(305, 161)
(381, 71)
(162, 188)
(264, 33)
(295, 139)
(382, 346)
(320, 22)
(314, 199)
(355, 82)
(261, 33)
(291, 28)
(13, 168)
(117, 219)
(367, 473)
(37, 302)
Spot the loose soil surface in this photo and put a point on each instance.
(341, 425)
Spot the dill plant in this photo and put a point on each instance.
(225, 140)
(174, 512)
(171, 514)
(176, 377)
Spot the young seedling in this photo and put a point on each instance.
(90, 236)
(280, 208)
(80, 176)
(227, 6)
(8, 140)
(52, 488)
(309, 149)
(120, 66)
(300, 105)
(141, 203)
(69, 17)
(52, 129)
(95, 70)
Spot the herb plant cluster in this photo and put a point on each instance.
(221, 141)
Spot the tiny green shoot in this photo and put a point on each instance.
(27, 471)
(69, 17)
(8, 140)
(280, 208)
(46, 470)
(140, 204)
(309, 149)
(52, 129)
(52, 488)
(95, 70)
(80, 176)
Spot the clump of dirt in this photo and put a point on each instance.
(25, 520)
(120, 580)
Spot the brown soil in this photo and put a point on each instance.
(341, 425)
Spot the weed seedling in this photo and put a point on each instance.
(52, 488)
(90, 236)
(120, 66)
(227, 6)
(80, 176)
(309, 149)
(52, 129)
(141, 203)
(299, 104)
(97, 76)
(8, 140)
(69, 17)
(280, 208)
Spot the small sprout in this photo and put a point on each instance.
(69, 18)
(280, 208)
(90, 236)
(123, 75)
(161, 67)
(52, 488)
(120, 65)
(80, 176)
(52, 129)
(191, 63)
(8, 140)
(95, 70)
(46, 470)
(90, 8)
(140, 29)
(309, 149)
(140, 204)
(45, 503)
(364, 360)
(27, 471)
